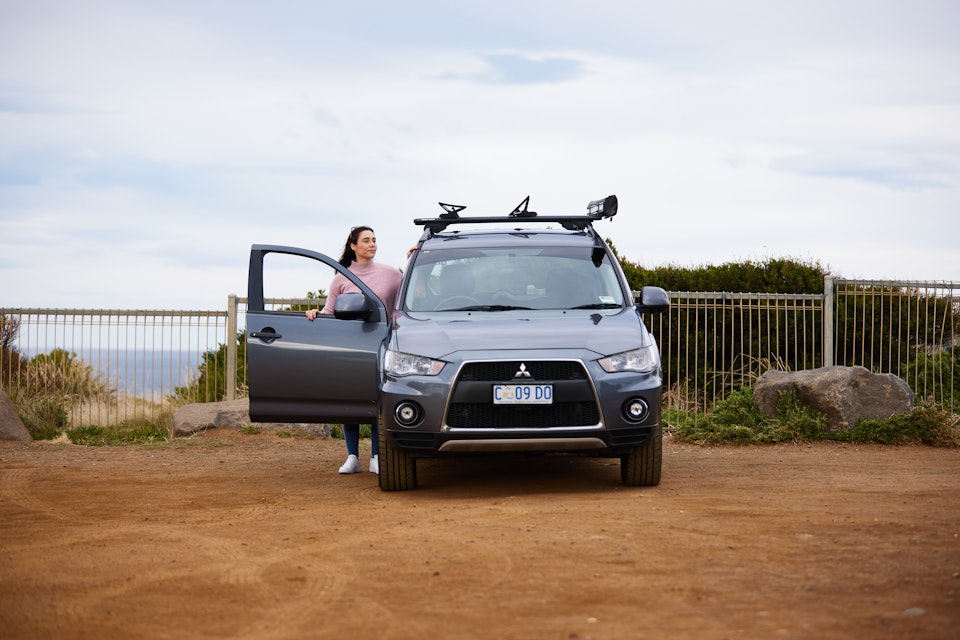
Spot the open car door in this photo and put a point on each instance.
(302, 371)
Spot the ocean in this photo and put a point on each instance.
(147, 374)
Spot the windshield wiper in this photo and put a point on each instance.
(599, 305)
(489, 307)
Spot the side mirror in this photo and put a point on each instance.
(653, 300)
(355, 306)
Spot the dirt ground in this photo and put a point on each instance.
(227, 535)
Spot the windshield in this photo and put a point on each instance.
(505, 279)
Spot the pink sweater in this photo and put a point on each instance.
(384, 280)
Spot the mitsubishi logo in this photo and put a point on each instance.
(522, 373)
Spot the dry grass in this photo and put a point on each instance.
(100, 411)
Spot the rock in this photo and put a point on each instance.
(843, 394)
(191, 418)
(11, 426)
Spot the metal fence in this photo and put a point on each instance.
(712, 343)
(111, 365)
(146, 362)
(908, 328)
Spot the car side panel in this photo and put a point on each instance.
(321, 371)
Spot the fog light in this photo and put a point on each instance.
(408, 413)
(635, 410)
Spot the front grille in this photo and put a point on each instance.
(576, 407)
(491, 416)
(539, 370)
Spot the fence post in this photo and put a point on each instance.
(828, 321)
(231, 371)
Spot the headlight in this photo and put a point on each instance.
(643, 360)
(407, 364)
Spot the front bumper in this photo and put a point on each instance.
(454, 411)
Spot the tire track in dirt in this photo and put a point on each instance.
(15, 489)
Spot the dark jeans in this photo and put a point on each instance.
(351, 433)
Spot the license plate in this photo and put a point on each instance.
(523, 394)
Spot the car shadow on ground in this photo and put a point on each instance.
(509, 474)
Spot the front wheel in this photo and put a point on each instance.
(641, 466)
(398, 469)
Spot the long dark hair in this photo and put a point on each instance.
(349, 255)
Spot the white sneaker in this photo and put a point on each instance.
(352, 465)
(375, 464)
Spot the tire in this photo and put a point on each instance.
(398, 469)
(641, 467)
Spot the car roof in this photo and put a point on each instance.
(474, 238)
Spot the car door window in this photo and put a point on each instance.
(294, 283)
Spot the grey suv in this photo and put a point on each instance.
(512, 333)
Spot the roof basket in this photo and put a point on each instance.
(596, 210)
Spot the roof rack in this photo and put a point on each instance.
(596, 210)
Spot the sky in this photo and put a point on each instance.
(145, 146)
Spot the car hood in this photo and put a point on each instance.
(603, 334)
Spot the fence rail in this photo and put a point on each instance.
(712, 342)
(140, 362)
(112, 364)
(908, 328)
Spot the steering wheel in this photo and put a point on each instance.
(455, 302)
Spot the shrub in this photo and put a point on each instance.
(737, 420)
(739, 409)
(123, 433)
(795, 422)
(927, 424)
(44, 415)
(10, 359)
(61, 373)
(45, 388)
(772, 275)
(211, 382)
(937, 376)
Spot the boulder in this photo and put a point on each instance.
(11, 426)
(843, 394)
(191, 418)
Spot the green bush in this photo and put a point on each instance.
(737, 420)
(44, 415)
(45, 387)
(121, 434)
(739, 409)
(795, 422)
(927, 424)
(211, 382)
(773, 275)
(936, 376)
(11, 361)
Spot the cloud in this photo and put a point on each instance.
(139, 137)
(516, 69)
(894, 172)
(135, 173)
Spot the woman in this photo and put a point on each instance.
(358, 254)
